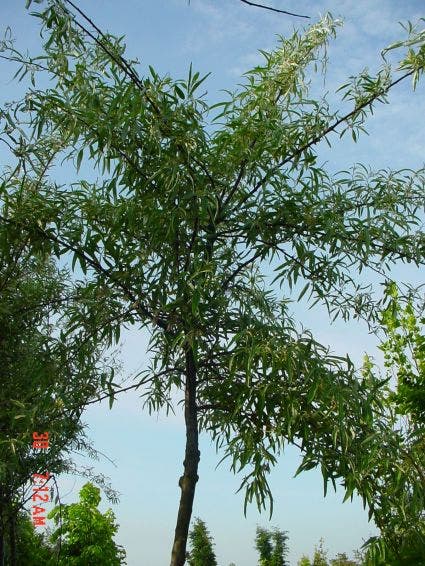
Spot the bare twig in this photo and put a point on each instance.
(273, 9)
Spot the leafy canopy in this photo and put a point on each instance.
(272, 547)
(201, 546)
(401, 490)
(32, 547)
(48, 374)
(86, 534)
(194, 205)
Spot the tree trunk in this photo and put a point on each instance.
(1, 535)
(12, 537)
(189, 478)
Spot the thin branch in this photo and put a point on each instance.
(244, 164)
(98, 268)
(119, 60)
(236, 183)
(25, 62)
(43, 304)
(239, 269)
(8, 145)
(12, 266)
(60, 520)
(115, 147)
(296, 154)
(271, 9)
(213, 407)
(122, 390)
(129, 387)
(128, 70)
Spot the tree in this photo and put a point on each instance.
(320, 557)
(202, 551)
(264, 546)
(341, 559)
(32, 548)
(47, 378)
(280, 548)
(190, 214)
(271, 546)
(404, 350)
(402, 525)
(84, 535)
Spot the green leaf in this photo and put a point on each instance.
(79, 158)
(196, 296)
(179, 92)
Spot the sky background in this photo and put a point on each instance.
(223, 37)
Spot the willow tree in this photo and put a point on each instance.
(194, 206)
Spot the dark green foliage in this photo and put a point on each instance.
(280, 548)
(48, 374)
(201, 546)
(263, 545)
(32, 549)
(271, 546)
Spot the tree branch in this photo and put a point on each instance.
(98, 268)
(273, 9)
(296, 154)
(127, 69)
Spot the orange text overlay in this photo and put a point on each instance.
(41, 491)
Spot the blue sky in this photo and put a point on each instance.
(223, 36)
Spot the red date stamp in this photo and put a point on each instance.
(41, 492)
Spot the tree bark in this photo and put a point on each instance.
(189, 478)
(1, 533)
(12, 537)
